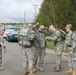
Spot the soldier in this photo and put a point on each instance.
(73, 54)
(70, 42)
(37, 46)
(56, 37)
(42, 51)
(2, 45)
(28, 51)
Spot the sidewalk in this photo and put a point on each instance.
(50, 51)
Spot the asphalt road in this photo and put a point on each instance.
(12, 62)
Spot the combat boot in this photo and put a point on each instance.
(41, 69)
(70, 71)
(2, 68)
(74, 72)
(57, 69)
(25, 72)
(34, 70)
(31, 72)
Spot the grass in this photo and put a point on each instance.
(50, 44)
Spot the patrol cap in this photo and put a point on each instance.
(68, 26)
(34, 26)
(51, 26)
(42, 27)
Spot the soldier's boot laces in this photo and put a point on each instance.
(70, 71)
(74, 72)
(34, 70)
(41, 69)
(57, 69)
(2, 68)
(31, 73)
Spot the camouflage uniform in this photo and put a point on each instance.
(37, 46)
(36, 51)
(68, 42)
(28, 56)
(74, 49)
(56, 37)
(74, 61)
(1, 45)
(42, 51)
(40, 48)
(71, 43)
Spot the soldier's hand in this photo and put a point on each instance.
(64, 49)
(71, 53)
(46, 38)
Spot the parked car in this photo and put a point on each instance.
(7, 31)
(12, 36)
(15, 28)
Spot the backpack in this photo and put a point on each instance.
(63, 35)
(24, 38)
(42, 39)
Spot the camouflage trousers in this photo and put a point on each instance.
(0, 56)
(58, 53)
(40, 54)
(36, 51)
(74, 64)
(70, 60)
(28, 58)
(74, 61)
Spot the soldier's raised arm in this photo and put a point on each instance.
(55, 36)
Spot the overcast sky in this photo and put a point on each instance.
(13, 10)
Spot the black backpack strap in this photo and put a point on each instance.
(72, 35)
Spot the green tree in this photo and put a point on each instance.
(58, 13)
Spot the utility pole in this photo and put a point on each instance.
(35, 6)
(24, 18)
